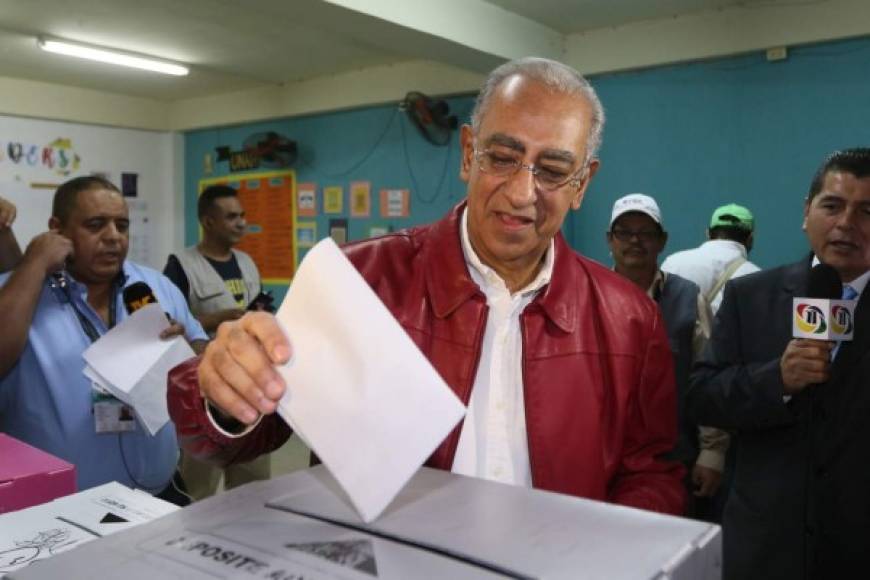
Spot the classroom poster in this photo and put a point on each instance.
(338, 230)
(333, 199)
(395, 202)
(306, 234)
(375, 231)
(360, 199)
(306, 199)
(269, 201)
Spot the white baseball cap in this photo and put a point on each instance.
(636, 202)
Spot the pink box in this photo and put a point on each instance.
(29, 476)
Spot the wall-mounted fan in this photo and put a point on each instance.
(430, 116)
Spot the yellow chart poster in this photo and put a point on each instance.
(360, 199)
(333, 198)
(269, 201)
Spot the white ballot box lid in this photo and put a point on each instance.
(440, 526)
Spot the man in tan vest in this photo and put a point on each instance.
(219, 283)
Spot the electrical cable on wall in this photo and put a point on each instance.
(364, 158)
(415, 185)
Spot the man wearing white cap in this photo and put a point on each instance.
(636, 238)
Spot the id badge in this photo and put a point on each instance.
(110, 414)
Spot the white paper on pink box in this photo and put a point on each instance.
(360, 392)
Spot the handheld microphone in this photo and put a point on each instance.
(138, 295)
(823, 315)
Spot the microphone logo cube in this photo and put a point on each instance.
(141, 303)
(841, 319)
(823, 319)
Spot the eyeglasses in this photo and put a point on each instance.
(546, 178)
(642, 235)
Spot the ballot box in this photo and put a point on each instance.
(441, 525)
(29, 476)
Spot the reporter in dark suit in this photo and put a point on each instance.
(800, 504)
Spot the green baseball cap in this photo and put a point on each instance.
(733, 215)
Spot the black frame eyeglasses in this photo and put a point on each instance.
(642, 235)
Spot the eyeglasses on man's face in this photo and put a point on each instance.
(626, 235)
(549, 175)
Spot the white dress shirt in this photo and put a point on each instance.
(703, 265)
(493, 443)
(858, 283)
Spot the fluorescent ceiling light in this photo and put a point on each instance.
(111, 57)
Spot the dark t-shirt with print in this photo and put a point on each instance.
(229, 271)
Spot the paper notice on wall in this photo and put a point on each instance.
(141, 233)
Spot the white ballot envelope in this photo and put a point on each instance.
(359, 391)
(131, 362)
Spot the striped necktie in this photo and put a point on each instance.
(849, 293)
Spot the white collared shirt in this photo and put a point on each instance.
(858, 283)
(493, 443)
(706, 263)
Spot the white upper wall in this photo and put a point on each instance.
(456, 54)
(151, 155)
(712, 34)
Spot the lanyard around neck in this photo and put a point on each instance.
(87, 326)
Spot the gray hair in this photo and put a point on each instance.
(555, 75)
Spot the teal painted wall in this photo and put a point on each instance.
(694, 136)
(699, 135)
(375, 144)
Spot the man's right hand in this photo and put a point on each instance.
(805, 362)
(49, 250)
(237, 370)
(212, 320)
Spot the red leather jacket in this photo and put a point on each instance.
(597, 370)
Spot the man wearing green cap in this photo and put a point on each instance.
(722, 257)
(710, 265)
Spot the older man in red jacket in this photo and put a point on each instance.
(564, 365)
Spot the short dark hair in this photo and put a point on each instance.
(737, 234)
(67, 194)
(855, 161)
(210, 194)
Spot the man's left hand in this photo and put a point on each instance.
(174, 329)
(705, 480)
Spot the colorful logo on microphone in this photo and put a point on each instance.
(811, 319)
(841, 319)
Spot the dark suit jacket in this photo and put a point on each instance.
(800, 502)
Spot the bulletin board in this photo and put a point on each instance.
(269, 201)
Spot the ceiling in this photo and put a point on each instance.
(569, 16)
(229, 45)
(237, 45)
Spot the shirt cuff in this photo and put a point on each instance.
(228, 426)
(711, 460)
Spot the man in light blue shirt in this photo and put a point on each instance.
(66, 293)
